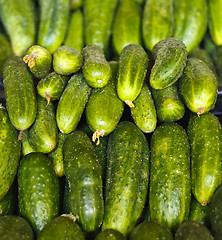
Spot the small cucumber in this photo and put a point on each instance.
(5, 51)
(110, 234)
(26, 147)
(133, 63)
(96, 69)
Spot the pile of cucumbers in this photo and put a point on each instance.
(108, 130)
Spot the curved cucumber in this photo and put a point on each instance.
(5, 51)
(110, 234)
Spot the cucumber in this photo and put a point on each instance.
(110, 234)
(133, 63)
(217, 59)
(53, 23)
(170, 59)
(144, 112)
(104, 109)
(61, 228)
(158, 21)
(18, 19)
(198, 86)
(76, 4)
(72, 103)
(96, 69)
(26, 146)
(19, 85)
(190, 22)
(126, 178)
(205, 136)
(7, 204)
(169, 106)
(154, 230)
(14, 227)
(10, 149)
(38, 190)
(127, 25)
(170, 188)
(5, 51)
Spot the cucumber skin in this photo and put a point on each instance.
(205, 136)
(127, 176)
(83, 173)
(170, 188)
(110, 234)
(38, 190)
(26, 147)
(5, 51)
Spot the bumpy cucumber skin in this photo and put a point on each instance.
(170, 59)
(127, 25)
(72, 103)
(83, 172)
(53, 23)
(26, 147)
(38, 190)
(190, 22)
(18, 19)
(96, 69)
(144, 111)
(170, 188)
(5, 51)
(110, 234)
(132, 70)
(157, 22)
(14, 227)
(205, 136)
(7, 204)
(10, 149)
(126, 178)
(168, 104)
(198, 86)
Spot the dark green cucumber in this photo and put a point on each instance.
(127, 25)
(83, 172)
(14, 227)
(205, 136)
(190, 22)
(170, 188)
(19, 85)
(18, 19)
(192, 230)
(110, 234)
(10, 149)
(152, 230)
(208, 43)
(62, 228)
(26, 147)
(76, 4)
(104, 109)
(7, 204)
(96, 69)
(157, 22)
(74, 37)
(53, 23)
(144, 111)
(39, 60)
(126, 178)
(67, 60)
(168, 104)
(217, 59)
(38, 190)
(5, 51)
(170, 59)
(198, 86)
(133, 63)
(72, 103)
(43, 133)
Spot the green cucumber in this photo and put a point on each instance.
(153, 230)
(168, 104)
(83, 172)
(76, 4)
(18, 19)
(5, 51)
(144, 112)
(14, 227)
(67, 60)
(10, 149)
(170, 59)
(53, 23)
(198, 86)
(205, 136)
(72, 103)
(38, 190)
(126, 178)
(170, 188)
(133, 63)
(110, 234)
(19, 85)
(26, 146)
(127, 25)
(96, 69)
(190, 22)
(7, 204)
(104, 109)
(217, 59)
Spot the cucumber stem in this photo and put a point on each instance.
(129, 103)
(201, 110)
(30, 59)
(70, 216)
(204, 203)
(48, 97)
(96, 135)
(20, 136)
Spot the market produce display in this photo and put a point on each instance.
(108, 127)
